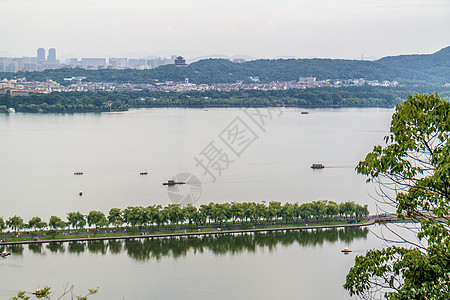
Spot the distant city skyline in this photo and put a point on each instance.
(42, 62)
(191, 55)
(347, 29)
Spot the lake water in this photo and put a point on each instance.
(258, 156)
(282, 265)
(41, 152)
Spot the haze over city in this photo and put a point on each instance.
(259, 29)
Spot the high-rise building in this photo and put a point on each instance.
(12, 67)
(74, 62)
(51, 55)
(113, 63)
(136, 62)
(121, 62)
(40, 55)
(93, 62)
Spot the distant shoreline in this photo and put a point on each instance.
(181, 234)
(200, 107)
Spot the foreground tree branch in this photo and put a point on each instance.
(413, 173)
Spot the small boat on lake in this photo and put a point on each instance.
(317, 166)
(78, 173)
(37, 292)
(304, 113)
(173, 182)
(5, 254)
(346, 250)
(143, 173)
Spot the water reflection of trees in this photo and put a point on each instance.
(143, 249)
(16, 249)
(56, 247)
(36, 248)
(157, 248)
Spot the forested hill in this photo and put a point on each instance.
(436, 64)
(406, 69)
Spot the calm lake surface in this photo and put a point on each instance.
(41, 152)
(283, 265)
(255, 156)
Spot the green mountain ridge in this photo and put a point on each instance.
(436, 64)
(423, 69)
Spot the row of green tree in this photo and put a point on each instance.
(174, 215)
(418, 69)
(118, 101)
(64, 102)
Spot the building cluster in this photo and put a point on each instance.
(362, 81)
(117, 63)
(43, 61)
(23, 87)
(302, 83)
(38, 63)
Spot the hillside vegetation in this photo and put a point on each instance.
(423, 69)
(113, 101)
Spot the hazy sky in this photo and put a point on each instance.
(259, 28)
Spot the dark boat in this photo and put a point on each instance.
(173, 182)
(317, 166)
(143, 173)
(78, 173)
(346, 250)
(304, 113)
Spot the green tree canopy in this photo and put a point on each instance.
(47, 293)
(56, 222)
(34, 221)
(115, 217)
(15, 223)
(413, 170)
(97, 218)
(134, 215)
(76, 219)
(2, 224)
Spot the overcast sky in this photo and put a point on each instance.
(258, 28)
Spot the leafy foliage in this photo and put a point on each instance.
(415, 165)
(56, 222)
(46, 293)
(319, 97)
(2, 224)
(76, 219)
(174, 214)
(15, 223)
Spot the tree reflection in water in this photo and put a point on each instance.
(36, 248)
(56, 247)
(76, 247)
(218, 244)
